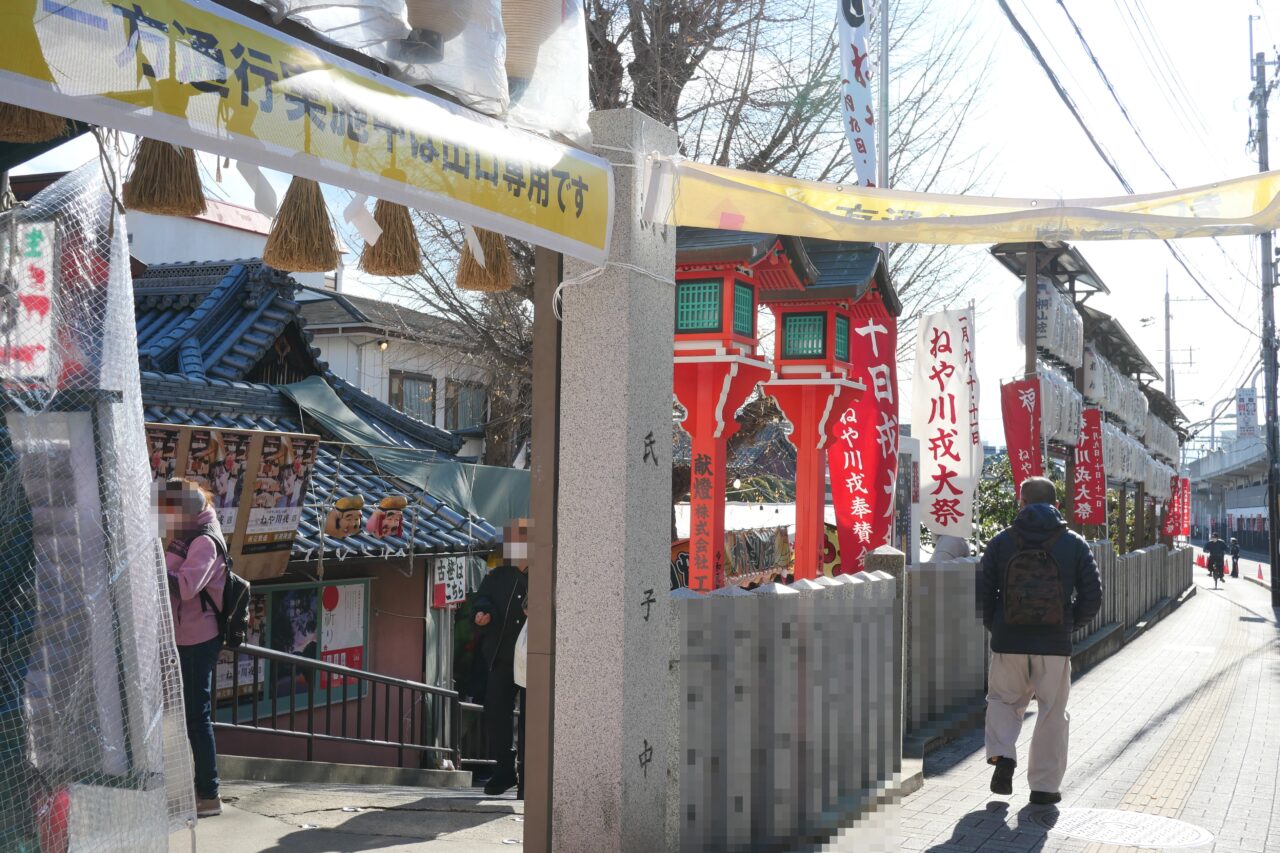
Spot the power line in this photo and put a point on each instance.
(1106, 158)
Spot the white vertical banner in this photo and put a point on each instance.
(945, 420)
(856, 113)
(1246, 413)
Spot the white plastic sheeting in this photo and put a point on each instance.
(1113, 392)
(1060, 406)
(556, 97)
(1059, 329)
(93, 748)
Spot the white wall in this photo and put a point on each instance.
(177, 239)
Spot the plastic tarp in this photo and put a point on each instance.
(682, 192)
(495, 494)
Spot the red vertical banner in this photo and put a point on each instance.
(1020, 405)
(1089, 491)
(1184, 516)
(863, 460)
(1173, 510)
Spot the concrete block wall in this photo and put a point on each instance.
(785, 702)
(946, 641)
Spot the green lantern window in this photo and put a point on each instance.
(744, 310)
(842, 338)
(698, 306)
(804, 336)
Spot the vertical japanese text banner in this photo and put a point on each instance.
(1021, 407)
(1089, 491)
(855, 88)
(951, 450)
(1184, 509)
(864, 460)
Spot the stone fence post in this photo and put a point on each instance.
(893, 562)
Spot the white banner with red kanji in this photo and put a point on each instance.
(863, 461)
(945, 418)
(855, 88)
(1089, 497)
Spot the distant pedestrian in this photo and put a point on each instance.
(1030, 573)
(498, 610)
(949, 548)
(1216, 550)
(1235, 558)
(194, 557)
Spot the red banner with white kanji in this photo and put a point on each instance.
(1172, 525)
(863, 460)
(945, 379)
(1089, 491)
(1184, 512)
(1020, 405)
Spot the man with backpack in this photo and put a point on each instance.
(1039, 582)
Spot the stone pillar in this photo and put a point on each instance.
(892, 562)
(610, 729)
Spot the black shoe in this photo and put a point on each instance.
(1002, 777)
(499, 785)
(1043, 798)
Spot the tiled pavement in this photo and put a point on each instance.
(1176, 724)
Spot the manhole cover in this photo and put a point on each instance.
(1113, 826)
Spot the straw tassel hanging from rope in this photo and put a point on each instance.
(302, 238)
(21, 125)
(494, 272)
(165, 181)
(396, 252)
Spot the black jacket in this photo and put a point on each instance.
(1079, 572)
(1217, 550)
(500, 595)
(1235, 551)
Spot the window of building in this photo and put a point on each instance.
(414, 394)
(464, 405)
(698, 306)
(804, 336)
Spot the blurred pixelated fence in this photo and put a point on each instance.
(788, 703)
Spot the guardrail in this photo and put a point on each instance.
(387, 712)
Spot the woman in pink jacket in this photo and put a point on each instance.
(193, 557)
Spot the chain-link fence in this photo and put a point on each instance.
(93, 749)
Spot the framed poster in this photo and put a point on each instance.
(342, 632)
(163, 445)
(283, 474)
(249, 681)
(219, 459)
(295, 623)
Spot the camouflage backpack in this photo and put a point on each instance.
(1033, 585)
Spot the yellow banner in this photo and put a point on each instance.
(687, 193)
(195, 74)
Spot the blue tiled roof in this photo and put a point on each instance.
(435, 526)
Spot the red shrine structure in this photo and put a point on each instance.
(813, 289)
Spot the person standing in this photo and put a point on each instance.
(194, 560)
(1039, 582)
(498, 608)
(1235, 558)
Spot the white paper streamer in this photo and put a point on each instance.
(359, 217)
(473, 240)
(264, 195)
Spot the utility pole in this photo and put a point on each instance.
(1260, 94)
(1168, 351)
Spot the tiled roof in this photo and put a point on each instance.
(326, 308)
(216, 321)
(435, 527)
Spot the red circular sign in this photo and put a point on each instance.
(330, 597)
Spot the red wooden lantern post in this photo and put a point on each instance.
(812, 384)
(717, 366)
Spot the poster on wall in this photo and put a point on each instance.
(342, 631)
(26, 310)
(449, 584)
(218, 459)
(283, 475)
(251, 678)
(162, 451)
(294, 624)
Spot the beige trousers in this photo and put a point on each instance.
(1013, 681)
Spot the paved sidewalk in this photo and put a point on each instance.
(1252, 565)
(1175, 726)
(310, 818)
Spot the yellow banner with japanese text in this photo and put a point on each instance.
(193, 73)
(682, 192)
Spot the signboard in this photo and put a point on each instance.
(747, 552)
(946, 378)
(1184, 508)
(449, 586)
(259, 531)
(196, 74)
(1090, 486)
(1246, 413)
(26, 304)
(342, 630)
(284, 469)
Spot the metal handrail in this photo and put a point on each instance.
(273, 719)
